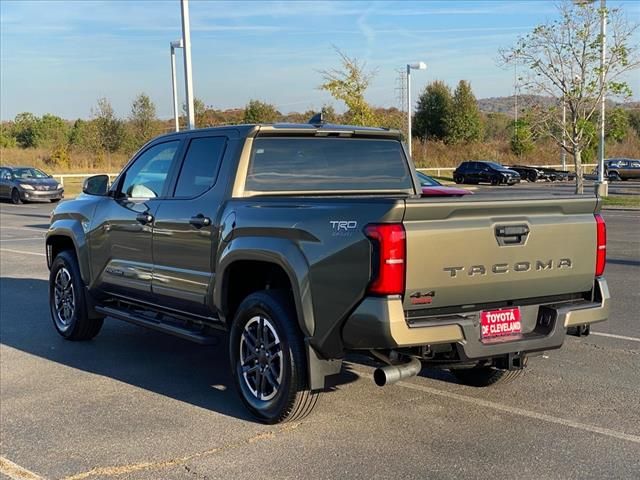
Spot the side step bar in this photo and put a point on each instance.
(184, 333)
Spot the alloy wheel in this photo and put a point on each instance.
(64, 302)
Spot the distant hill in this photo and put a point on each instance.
(506, 104)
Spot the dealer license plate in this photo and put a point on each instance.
(500, 323)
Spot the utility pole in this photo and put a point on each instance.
(602, 187)
(174, 85)
(410, 66)
(564, 134)
(186, 43)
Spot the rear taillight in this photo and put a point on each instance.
(388, 258)
(601, 252)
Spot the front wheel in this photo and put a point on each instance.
(68, 302)
(615, 176)
(15, 197)
(268, 359)
(495, 181)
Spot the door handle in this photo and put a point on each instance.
(144, 218)
(200, 221)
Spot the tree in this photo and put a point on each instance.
(110, 129)
(521, 137)
(561, 59)
(260, 112)
(464, 122)
(634, 120)
(434, 106)
(617, 124)
(26, 130)
(53, 132)
(349, 85)
(142, 120)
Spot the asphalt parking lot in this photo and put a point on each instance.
(135, 404)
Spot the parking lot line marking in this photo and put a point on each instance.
(22, 252)
(517, 411)
(16, 472)
(619, 337)
(19, 239)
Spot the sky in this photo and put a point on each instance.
(61, 56)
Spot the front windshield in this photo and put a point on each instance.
(28, 173)
(427, 181)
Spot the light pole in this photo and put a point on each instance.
(564, 134)
(411, 66)
(186, 45)
(174, 85)
(602, 187)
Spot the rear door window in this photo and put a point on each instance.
(315, 164)
(200, 167)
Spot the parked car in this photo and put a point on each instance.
(486, 172)
(281, 238)
(27, 184)
(531, 174)
(621, 168)
(432, 188)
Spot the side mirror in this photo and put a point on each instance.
(96, 185)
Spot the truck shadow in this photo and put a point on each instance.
(195, 374)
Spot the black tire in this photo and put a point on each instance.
(55, 200)
(15, 197)
(458, 179)
(74, 323)
(532, 177)
(495, 181)
(485, 376)
(615, 176)
(291, 399)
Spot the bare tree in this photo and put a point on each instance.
(562, 60)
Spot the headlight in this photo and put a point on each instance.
(26, 186)
(58, 186)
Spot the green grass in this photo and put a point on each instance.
(631, 201)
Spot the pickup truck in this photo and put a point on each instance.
(305, 242)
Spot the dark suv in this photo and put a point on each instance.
(487, 172)
(28, 184)
(622, 168)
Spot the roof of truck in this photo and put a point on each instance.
(324, 129)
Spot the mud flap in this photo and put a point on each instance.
(320, 369)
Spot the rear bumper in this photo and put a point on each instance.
(379, 323)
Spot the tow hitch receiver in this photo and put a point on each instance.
(511, 361)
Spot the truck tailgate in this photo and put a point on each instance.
(469, 253)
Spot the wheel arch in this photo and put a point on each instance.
(276, 263)
(68, 236)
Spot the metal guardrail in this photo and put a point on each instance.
(438, 170)
(80, 175)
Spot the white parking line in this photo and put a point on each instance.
(619, 337)
(16, 472)
(22, 252)
(517, 411)
(20, 239)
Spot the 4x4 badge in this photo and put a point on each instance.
(419, 298)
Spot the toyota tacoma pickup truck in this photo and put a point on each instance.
(304, 243)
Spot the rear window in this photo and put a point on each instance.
(327, 164)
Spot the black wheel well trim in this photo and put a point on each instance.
(70, 242)
(303, 306)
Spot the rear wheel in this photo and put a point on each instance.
(484, 376)
(68, 302)
(15, 197)
(268, 359)
(615, 176)
(458, 178)
(532, 176)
